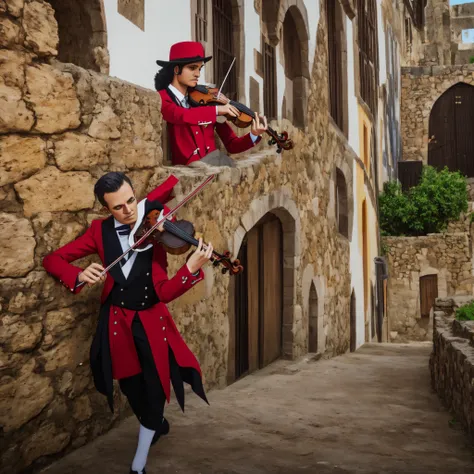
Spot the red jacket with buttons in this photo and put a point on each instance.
(191, 131)
(157, 321)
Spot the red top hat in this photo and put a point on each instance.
(186, 52)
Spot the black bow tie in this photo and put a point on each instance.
(123, 229)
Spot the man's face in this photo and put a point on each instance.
(191, 73)
(122, 204)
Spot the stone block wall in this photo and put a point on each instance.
(421, 87)
(446, 255)
(61, 128)
(452, 361)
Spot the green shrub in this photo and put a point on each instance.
(465, 313)
(439, 198)
(471, 60)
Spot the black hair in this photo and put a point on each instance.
(110, 183)
(164, 77)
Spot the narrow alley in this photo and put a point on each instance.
(367, 412)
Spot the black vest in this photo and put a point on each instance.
(137, 291)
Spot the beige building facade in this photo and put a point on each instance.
(77, 102)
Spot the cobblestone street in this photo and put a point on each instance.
(372, 411)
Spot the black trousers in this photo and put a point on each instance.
(144, 391)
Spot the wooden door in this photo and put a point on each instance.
(259, 298)
(428, 294)
(242, 317)
(253, 278)
(451, 140)
(271, 292)
(464, 106)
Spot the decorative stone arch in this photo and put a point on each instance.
(429, 100)
(294, 58)
(314, 285)
(82, 33)
(282, 206)
(273, 15)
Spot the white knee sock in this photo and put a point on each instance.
(145, 437)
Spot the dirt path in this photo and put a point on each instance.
(367, 412)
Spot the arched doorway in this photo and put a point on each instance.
(352, 323)
(295, 49)
(259, 298)
(313, 320)
(82, 33)
(451, 125)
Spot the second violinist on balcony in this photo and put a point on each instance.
(191, 129)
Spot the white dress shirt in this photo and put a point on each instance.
(127, 268)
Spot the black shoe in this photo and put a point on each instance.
(135, 472)
(164, 430)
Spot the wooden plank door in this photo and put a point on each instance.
(450, 131)
(428, 293)
(253, 279)
(271, 292)
(464, 106)
(442, 132)
(241, 318)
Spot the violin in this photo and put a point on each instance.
(203, 95)
(178, 238)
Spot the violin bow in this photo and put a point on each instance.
(170, 213)
(225, 78)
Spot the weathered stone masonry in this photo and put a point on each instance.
(62, 127)
(452, 361)
(421, 88)
(447, 255)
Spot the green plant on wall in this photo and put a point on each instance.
(439, 198)
(471, 60)
(465, 313)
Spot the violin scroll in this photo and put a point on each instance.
(203, 95)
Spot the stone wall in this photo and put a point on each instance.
(421, 87)
(61, 128)
(438, 33)
(452, 361)
(446, 255)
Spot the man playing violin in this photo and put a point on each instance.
(136, 341)
(191, 129)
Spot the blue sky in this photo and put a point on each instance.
(458, 2)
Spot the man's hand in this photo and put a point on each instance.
(258, 127)
(228, 109)
(199, 257)
(91, 274)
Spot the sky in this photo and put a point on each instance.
(458, 2)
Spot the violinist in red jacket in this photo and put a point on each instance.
(191, 129)
(136, 341)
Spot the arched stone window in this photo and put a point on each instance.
(342, 208)
(295, 50)
(82, 33)
(337, 64)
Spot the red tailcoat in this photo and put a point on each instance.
(191, 131)
(157, 321)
